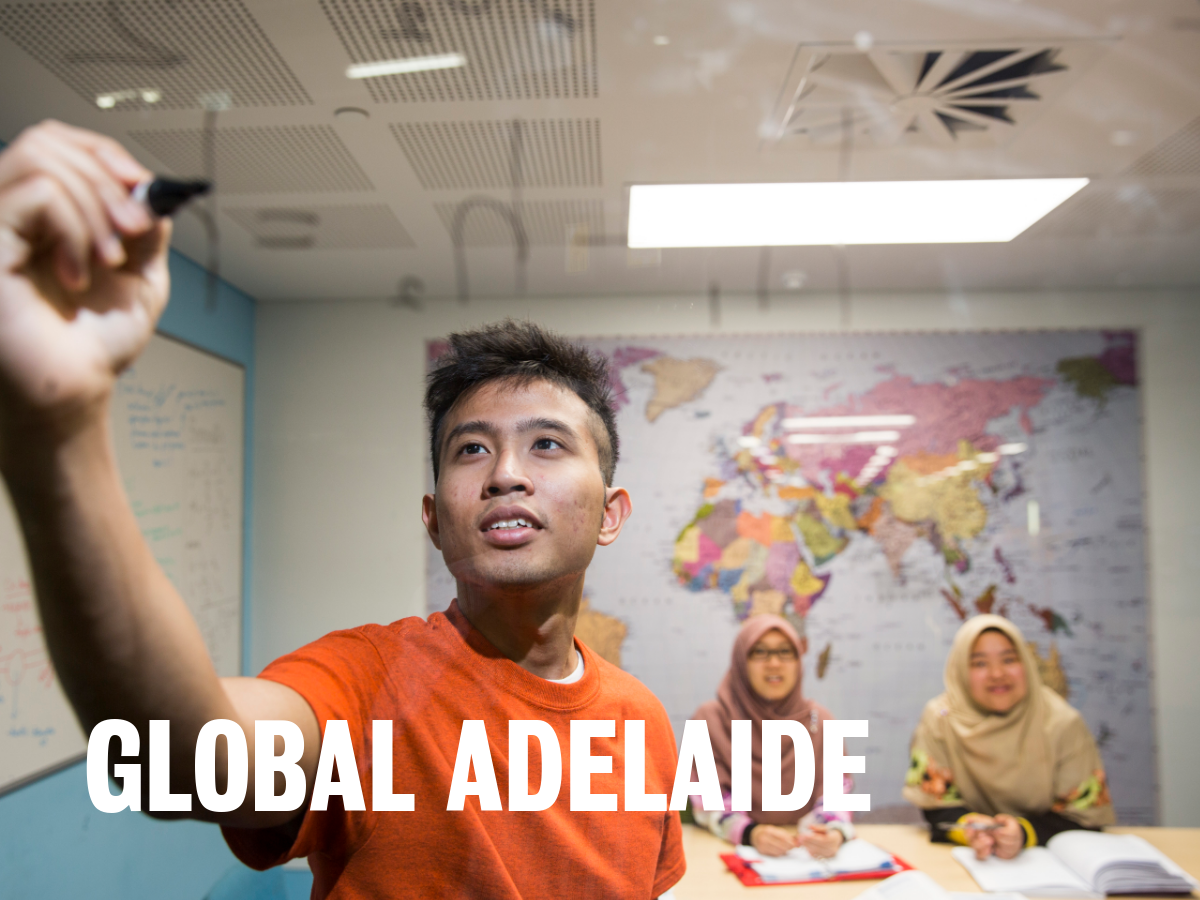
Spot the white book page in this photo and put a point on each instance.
(1089, 852)
(910, 885)
(799, 865)
(859, 856)
(1036, 872)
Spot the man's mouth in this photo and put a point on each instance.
(510, 523)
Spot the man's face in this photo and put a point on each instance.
(520, 499)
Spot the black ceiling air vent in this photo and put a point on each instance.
(942, 95)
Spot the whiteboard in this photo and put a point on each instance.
(178, 426)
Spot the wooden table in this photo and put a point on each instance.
(708, 879)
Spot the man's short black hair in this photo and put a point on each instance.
(521, 352)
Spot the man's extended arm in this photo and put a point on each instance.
(83, 280)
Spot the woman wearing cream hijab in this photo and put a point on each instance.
(1000, 761)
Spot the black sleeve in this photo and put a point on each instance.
(746, 833)
(1046, 825)
(940, 819)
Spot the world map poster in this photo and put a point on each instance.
(877, 490)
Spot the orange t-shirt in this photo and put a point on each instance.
(428, 677)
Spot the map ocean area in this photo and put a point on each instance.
(878, 490)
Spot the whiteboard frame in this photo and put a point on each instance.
(55, 767)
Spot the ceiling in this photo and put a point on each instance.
(564, 103)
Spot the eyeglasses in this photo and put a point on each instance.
(783, 654)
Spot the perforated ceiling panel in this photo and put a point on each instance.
(263, 159)
(1123, 210)
(468, 155)
(545, 221)
(1177, 155)
(124, 54)
(515, 49)
(365, 227)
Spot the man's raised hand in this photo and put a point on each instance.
(83, 275)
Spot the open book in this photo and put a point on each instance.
(1081, 864)
(854, 859)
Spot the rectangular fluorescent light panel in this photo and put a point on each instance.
(841, 212)
(406, 65)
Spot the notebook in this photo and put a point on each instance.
(1081, 864)
(854, 859)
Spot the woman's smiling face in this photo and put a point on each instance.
(773, 665)
(997, 676)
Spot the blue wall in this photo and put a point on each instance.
(53, 842)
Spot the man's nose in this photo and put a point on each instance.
(508, 475)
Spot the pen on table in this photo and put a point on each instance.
(164, 196)
(981, 826)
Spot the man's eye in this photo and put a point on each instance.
(472, 449)
(547, 444)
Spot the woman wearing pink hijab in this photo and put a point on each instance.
(763, 682)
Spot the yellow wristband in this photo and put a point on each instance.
(958, 834)
(1030, 834)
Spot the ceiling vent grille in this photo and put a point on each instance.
(515, 49)
(126, 54)
(474, 155)
(947, 96)
(1123, 210)
(362, 227)
(1177, 155)
(547, 222)
(263, 159)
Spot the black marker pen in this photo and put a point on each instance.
(164, 196)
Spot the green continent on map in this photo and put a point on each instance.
(677, 381)
(1096, 377)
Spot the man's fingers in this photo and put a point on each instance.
(115, 158)
(39, 154)
(39, 211)
(88, 164)
(104, 199)
(124, 212)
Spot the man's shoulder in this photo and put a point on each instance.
(372, 640)
(622, 688)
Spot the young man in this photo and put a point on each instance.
(524, 448)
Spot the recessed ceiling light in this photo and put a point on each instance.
(661, 40)
(111, 99)
(841, 212)
(351, 114)
(406, 65)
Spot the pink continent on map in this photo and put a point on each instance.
(782, 560)
(945, 414)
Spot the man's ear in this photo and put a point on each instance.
(429, 517)
(617, 510)
(803, 645)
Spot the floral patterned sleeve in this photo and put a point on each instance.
(732, 826)
(724, 823)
